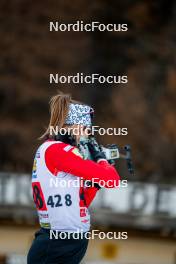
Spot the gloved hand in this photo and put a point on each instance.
(95, 150)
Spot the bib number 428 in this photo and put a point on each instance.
(53, 201)
(57, 200)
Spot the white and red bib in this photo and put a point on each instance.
(63, 206)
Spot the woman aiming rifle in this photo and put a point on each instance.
(65, 208)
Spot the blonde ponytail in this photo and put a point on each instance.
(59, 107)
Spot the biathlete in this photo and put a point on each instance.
(65, 208)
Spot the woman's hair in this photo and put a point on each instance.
(59, 107)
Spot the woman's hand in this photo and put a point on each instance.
(95, 150)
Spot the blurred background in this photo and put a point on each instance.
(146, 106)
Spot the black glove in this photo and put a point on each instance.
(95, 150)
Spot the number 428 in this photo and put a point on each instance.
(57, 201)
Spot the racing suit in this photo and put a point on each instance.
(62, 199)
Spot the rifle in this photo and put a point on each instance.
(112, 152)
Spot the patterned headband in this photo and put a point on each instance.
(79, 114)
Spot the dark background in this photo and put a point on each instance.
(146, 53)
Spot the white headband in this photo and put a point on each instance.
(79, 114)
